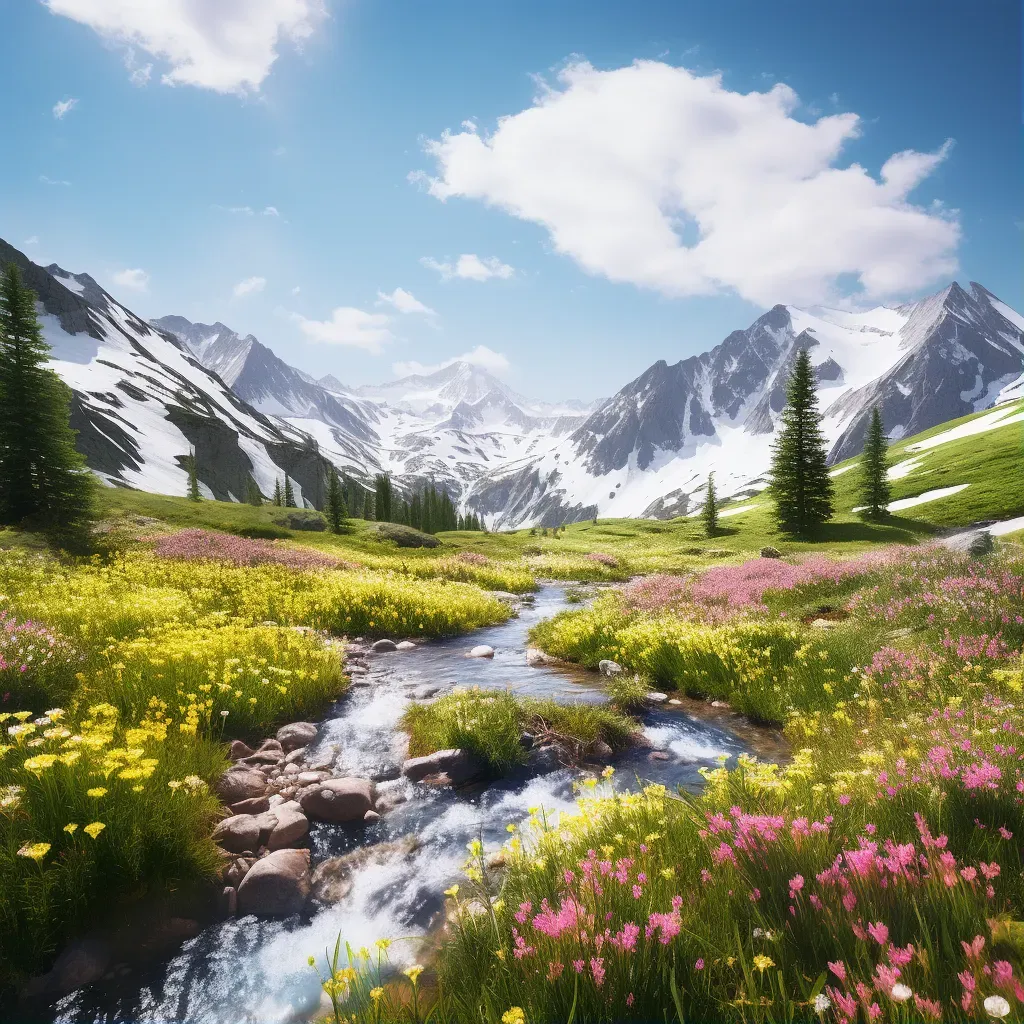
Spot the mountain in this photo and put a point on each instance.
(141, 402)
(647, 451)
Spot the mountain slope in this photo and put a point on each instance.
(648, 449)
(141, 402)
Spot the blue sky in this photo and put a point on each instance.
(287, 179)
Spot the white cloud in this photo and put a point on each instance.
(64, 107)
(134, 280)
(348, 326)
(32, 240)
(296, 289)
(470, 267)
(405, 302)
(52, 181)
(481, 356)
(138, 74)
(652, 175)
(270, 211)
(223, 45)
(249, 286)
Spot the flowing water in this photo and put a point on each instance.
(249, 971)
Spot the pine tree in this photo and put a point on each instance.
(710, 513)
(368, 506)
(801, 486)
(278, 496)
(253, 494)
(289, 493)
(416, 512)
(874, 479)
(193, 477)
(382, 497)
(42, 477)
(337, 510)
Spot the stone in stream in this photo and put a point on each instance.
(600, 750)
(332, 879)
(296, 756)
(481, 651)
(384, 646)
(658, 755)
(295, 735)
(229, 901)
(268, 757)
(338, 800)
(240, 783)
(543, 759)
(425, 692)
(654, 697)
(254, 805)
(239, 833)
(459, 765)
(290, 826)
(405, 645)
(609, 668)
(276, 885)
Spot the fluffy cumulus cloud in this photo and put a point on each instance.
(348, 326)
(661, 178)
(62, 108)
(223, 45)
(470, 267)
(250, 286)
(134, 280)
(404, 302)
(481, 356)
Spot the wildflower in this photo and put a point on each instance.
(96, 792)
(311, 960)
(901, 993)
(879, 932)
(413, 972)
(34, 851)
(71, 828)
(376, 993)
(996, 1006)
(762, 962)
(453, 891)
(514, 1015)
(821, 1003)
(94, 829)
(838, 968)
(699, 965)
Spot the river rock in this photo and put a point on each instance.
(658, 755)
(425, 692)
(239, 750)
(254, 805)
(654, 697)
(600, 751)
(276, 885)
(240, 783)
(81, 963)
(310, 778)
(235, 872)
(332, 879)
(295, 735)
(609, 668)
(370, 817)
(384, 646)
(390, 799)
(264, 757)
(405, 645)
(229, 901)
(272, 743)
(481, 651)
(970, 542)
(338, 800)
(543, 759)
(290, 826)
(673, 700)
(296, 756)
(238, 833)
(459, 765)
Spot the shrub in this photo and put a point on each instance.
(405, 536)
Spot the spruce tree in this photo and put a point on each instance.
(368, 506)
(253, 494)
(289, 493)
(800, 485)
(42, 477)
(193, 477)
(278, 497)
(382, 497)
(337, 510)
(710, 513)
(416, 512)
(874, 477)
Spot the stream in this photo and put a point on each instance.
(251, 971)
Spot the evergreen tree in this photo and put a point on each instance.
(42, 477)
(874, 478)
(278, 497)
(193, 477)
(416, 512)
(337, 509)
(289, 493)
(382, 497)
(253, 494)
(801, 486)
(368, 506)
(710, 513)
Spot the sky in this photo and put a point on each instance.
(563, 193)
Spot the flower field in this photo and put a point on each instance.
(121, 680)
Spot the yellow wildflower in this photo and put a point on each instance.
(453, 891)
(413, 972)
(96, 792)
(514, 1015)
(762, 962)
(94, 829)
(71, 828)
(34, 851)
(376, 993)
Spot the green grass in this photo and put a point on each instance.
(488, 724)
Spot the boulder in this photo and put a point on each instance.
(600, 751)
(276, 885)
(609, 668)
(271, 744)
(302, 519)
(425, 692)
(332, 879)
(770, 552)
(310, 778)
(512, 600)
(296, 756)
(481, 651)
(545, 758)
(338, 800)
(405, 645)
(239, 750)
(459, 765)
(240, 783)
(254, 805)
(658, 755)
(390, 800)
(262, 757)
(295, 735)
(81, 963)
(654, 697)
(290, 827)
(238, 833)
(970, 542)
(384, 646)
